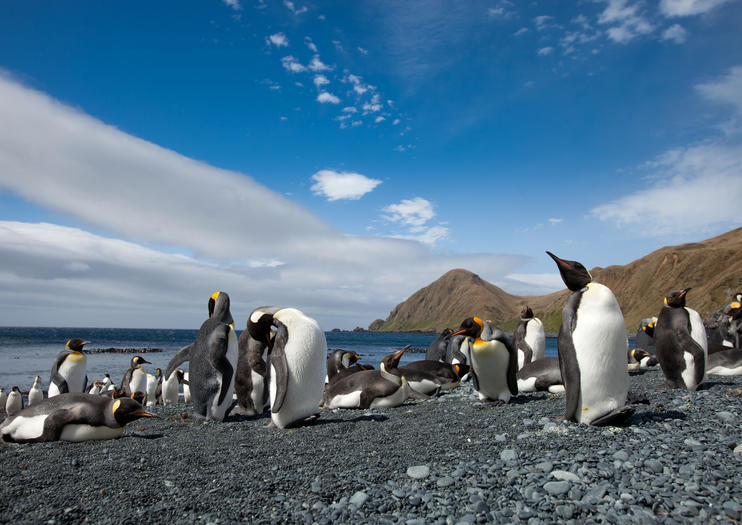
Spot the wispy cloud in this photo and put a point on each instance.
(362, 50)
(625, 20)
(542, 21)
(673, 8)
(342, 185)
(675, 33)
(234, 4)
(544, 51)
(310, 44)
(292, 64)
(521, 31)
(327, 98)
(553, 220)
(278, 40)
(320, 80)
(410, 212)
(291, 7)
(317, 65)
(132, 189)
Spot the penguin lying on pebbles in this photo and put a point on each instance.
(71, 417)
(541, 375)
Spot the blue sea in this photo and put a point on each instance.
(27, 352)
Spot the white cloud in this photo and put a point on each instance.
(696, 188)
(542, 22)
(410, 212)
(291, 7)
(342, 185)
(320, 80)
(629, 22)
(532, 283)
(676, 33)
(317, 65)
(278, 40)
(349, 109)
(521, 31)
(234, 4)
(238, 235)
(310, 44)
(362, 50)
(327, 98)
(292, 64)
(673, 8)
(544, 51)
(726, 90)
(379, 119)
(396, 121)
(554, 220)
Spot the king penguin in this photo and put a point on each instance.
(493, 361)
(592, 348)
(135, 378)
(213, 360)
(251, 378)
(35, 394)
(171, 387)
(14, 403)
(680, 343)
(438, 349)
(3, 400)
(297, 365)
(71, 417)
(370, 388)
(529, 338)
(68, 371)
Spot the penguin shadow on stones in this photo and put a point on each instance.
(657, 415)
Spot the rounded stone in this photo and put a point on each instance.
(418, 471)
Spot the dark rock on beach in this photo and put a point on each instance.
(451, 459)
(121, 350)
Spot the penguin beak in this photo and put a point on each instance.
(143, 413)
(458, 333)
(559, 261)
(145, 361)
(398, 355)
(682, 294)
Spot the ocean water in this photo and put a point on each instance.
(27, 352)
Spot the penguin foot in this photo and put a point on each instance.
(614, 418)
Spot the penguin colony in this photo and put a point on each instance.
(280, 365)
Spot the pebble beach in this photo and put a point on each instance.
(450, 459)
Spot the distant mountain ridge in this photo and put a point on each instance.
(712, 267)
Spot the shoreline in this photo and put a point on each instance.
(445, 460)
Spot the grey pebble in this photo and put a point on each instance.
(563, 475)
(418, 471)
(508, 454)
(358, 499)
(556, 488)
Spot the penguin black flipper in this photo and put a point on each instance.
(688, 344)
(519, 342)
(568, 364)
(181, 356)
(614, 418)
(280, 366)
(512, 365)
(475, 380)
(218, 345)
(56, 377)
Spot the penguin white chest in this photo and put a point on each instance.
(536, 338)
(73, 371)
(83, 432)
(600, 343)
(138, 381)
(490, 360)
(170, 388)
(698, 333)
(24, 428)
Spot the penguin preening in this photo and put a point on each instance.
(592, 348)
(369, 388)
(71, 417)
(529, 339)
(430, 377)
(680, 343)
(68, 371)
(212, 361)
(438, 349)
(253, 371)
(297, 359)
(493, 361)
(35, 394)
(341, 363)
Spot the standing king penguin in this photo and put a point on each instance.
(35, 394)
(298, 357)
(592, 348)
(493, 361)
(14, 403)
(71, 417)
(253, 372)
(680, 343)
(213, 360)
(135, 378)
(68, 371)
(529, 338)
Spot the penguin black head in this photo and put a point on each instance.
(526, 313)
(446, 332)
(349, 359)
(391, 361)
(158, 372)
(676, 299)
(139, 396)
(15, 389)
(649, 328)
(76, 344)
(573, 273)
(138, 360)
(219, 307)
(127, 410)
(471, 326)
(259, 326)
(638, 354)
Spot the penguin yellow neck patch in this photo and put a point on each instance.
(215, 295)
(116, 406)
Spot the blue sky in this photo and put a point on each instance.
(338, 156)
